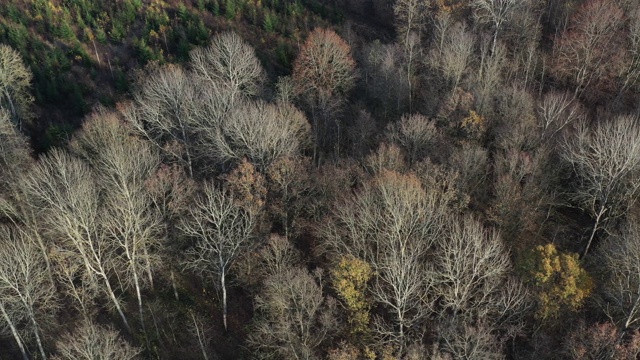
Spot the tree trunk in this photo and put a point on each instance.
(200, 338)
(112, 295)
(148, 266)
(596, 226)
(140, 309)
(14, 332)
(37, 335)
(175, 288)
(629, 320)
(186, 149)
(224, 300)
(96, 50)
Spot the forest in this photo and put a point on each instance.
(320, 179)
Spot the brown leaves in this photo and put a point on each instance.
(325, 67)
(587, 53)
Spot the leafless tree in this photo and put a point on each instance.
(285, 90)
(470, 267)
(261, 132)
(620, 256)
(383, 73)
(391, 223)
(65, 188)
(294, 318)
(412, 53)
(452, 55)
(606, 159)
(15, 81)
(222, 230)
(199, 331)
(27, 296)
(94, 342)
(490, 75)
(442, 23)
(389, 157)
(601, 341)
(587, 51)
(523, 190)
(415, 133)
(229, 60)
(129, 218)
(324, 67)
(464, 341)
(411, 17)
(288, 183)
(15, 205)
(14, 148)
(496, 13)
(630, 72)
(66, 271)
(477, 301)
(556, 111)
(164, 112)
(323, 73)
(278, 255)
(471, 163)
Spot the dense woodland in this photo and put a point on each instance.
(320, 179)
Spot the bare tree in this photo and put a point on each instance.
(620, 293)
(129, 218)
(65, 188)
(15, 204)
(490, 75)
(14, 149)
(452, 55)
(261, 132)
(415, 133)
(586, 51)
(464, 341)
(289, 184)
(411, 17)
(199, 331)
(630, 72)
(278, 255)
(323, 73)
(27, 296)
(470, 267)
(15, 81)
(324, 67)
(601, 341)
(556, 111)
(294, 318)
(164, 112)
(496, 13)
(390, 224)
(383, 73)
(229, 60)
(470, 161)
(606, 159)
(222, 230)
(94, 342)
(477, 301)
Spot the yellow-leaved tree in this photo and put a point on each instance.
(559, 281)
(350, 278)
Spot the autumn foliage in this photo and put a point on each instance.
(561, 281)
(320, 179)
